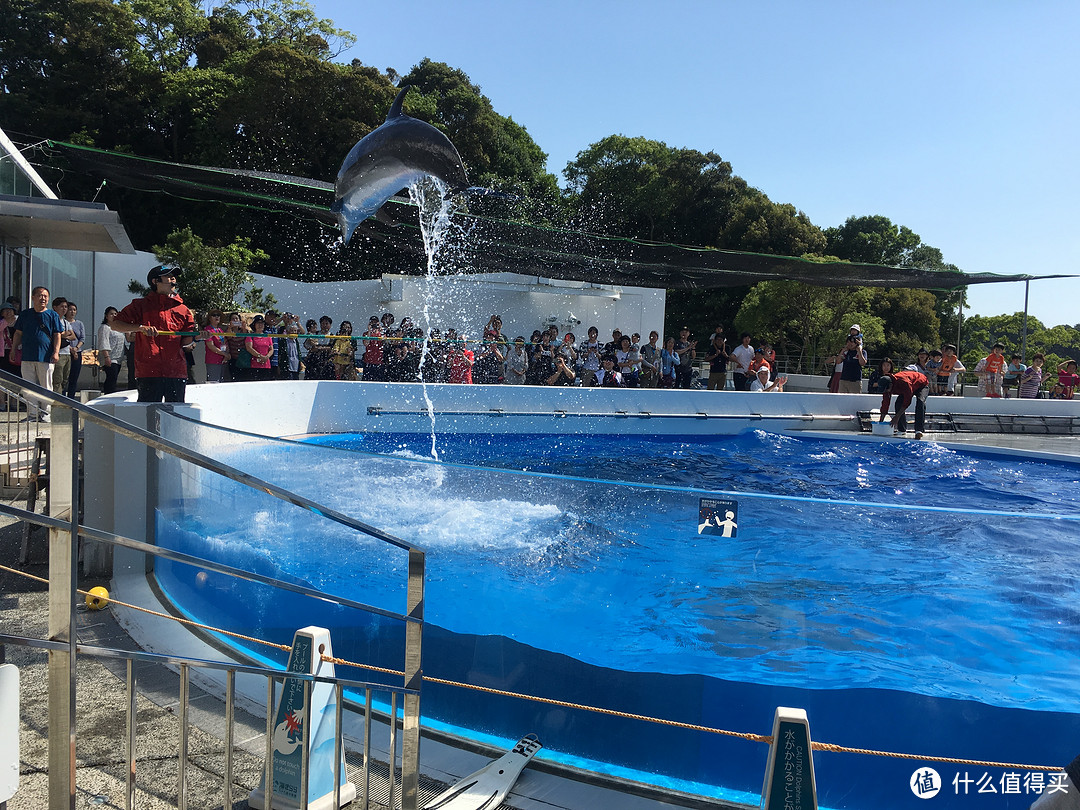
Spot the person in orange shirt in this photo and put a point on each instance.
(991, 371)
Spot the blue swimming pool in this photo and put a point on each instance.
(909, 596)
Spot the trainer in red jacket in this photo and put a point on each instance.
(159, 360)
(905, 386)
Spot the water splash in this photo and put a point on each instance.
(431, 197)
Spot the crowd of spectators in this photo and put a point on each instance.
(239, 347)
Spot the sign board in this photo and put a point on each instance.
(718, 516)
(789, 776)
(309, 646)
(9, 731)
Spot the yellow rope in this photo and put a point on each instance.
(761, 738)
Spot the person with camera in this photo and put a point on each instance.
(564, 372)
(852, 360)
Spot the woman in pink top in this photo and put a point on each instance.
(260, 346)
(216, 352)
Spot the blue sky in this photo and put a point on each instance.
(957, 119)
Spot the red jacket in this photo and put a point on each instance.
(905, 384)
(160, 356)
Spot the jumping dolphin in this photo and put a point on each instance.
(397, 154)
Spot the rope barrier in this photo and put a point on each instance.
(760, 738)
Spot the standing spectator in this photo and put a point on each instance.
(216, 352)
(743, 355)
(687, 351)
(931, 367)
(237, 353)
(37, 342)
(589, 352)
(650, 362)
(490, 358)
(769, 354)
(273, 327)
(374, 353)
(159, 360)
(63, 357)
(718, 358)
(7, 331)
(1031, 379)
(669, 361)
(460, 362)
(75, 346)
(289, 352)
(110, 349)
(542, 360)
(516, 364)
(343, 355)
(991, 371)
(854, 359)
(260, 346)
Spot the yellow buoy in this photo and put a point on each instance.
(97, 598)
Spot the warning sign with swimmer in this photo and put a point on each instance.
(718, 516)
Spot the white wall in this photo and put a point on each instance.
(461, 302)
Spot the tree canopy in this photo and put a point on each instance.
(255, 85)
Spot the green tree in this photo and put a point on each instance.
(212, 276)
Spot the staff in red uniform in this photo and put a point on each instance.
(159, 359)
(905, 386)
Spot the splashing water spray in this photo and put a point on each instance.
(430, 196)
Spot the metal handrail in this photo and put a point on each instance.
(65, 527)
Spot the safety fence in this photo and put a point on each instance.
(67, 535)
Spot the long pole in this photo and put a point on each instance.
(1023, 340)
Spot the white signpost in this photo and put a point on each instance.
(309, 646)
(9, 731)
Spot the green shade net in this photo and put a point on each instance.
(492, 245)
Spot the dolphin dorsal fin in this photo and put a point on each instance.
(395, 108)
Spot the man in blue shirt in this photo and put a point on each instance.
(38, 331)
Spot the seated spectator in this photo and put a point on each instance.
(951, 367)
(628, 362)
(609, 376)
(762, 383)
(884, 367)
(401, 365)
(1011, 378)
(1032, 377)
(563, 374)
(1068, 378)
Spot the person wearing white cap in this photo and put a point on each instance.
(762, 382)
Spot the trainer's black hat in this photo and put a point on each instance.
(883, 383)
(159, 271)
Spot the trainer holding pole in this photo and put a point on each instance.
(160, 365)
